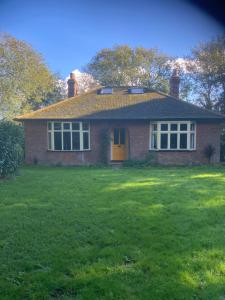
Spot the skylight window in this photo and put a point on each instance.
(106, 91)
(136, 91)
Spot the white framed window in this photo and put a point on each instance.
(173, 135)
(68, 136)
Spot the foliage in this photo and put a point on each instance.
(123, 65)
(203, 77)
(25, 80)
(209, 151)
(150, 160)
(222, 148)
(11, 147)
(81, 233)
(104, 146)
(209, 74)
(59, 92)
(209, 77)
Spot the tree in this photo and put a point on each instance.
(207, 78)
(209, 74)
(58, 92)
(122, 66)
(25, 80)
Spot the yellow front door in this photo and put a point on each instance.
(119, 142)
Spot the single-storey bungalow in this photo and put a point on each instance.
(121, 123)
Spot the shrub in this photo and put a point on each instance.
(209, 151)
(148, 161)
(11, 147)
(104, 146)
(222, 148)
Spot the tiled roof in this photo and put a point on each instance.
(122, 105)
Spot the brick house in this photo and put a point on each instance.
(126, 123)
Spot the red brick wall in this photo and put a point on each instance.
(206, 133)
(36, 144)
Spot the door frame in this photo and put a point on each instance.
(127, 144)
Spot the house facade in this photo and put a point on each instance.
(121, 123)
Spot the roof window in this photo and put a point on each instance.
(136, 91)
(106, 91)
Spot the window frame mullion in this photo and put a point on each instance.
(62, 136)
(178, 140)
(188, 135)
(168, 142)
(158, 138)
(81, 137)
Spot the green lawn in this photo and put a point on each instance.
(79, 233)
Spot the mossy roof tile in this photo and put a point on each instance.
(121, 105)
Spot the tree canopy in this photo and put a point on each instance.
(123, 65)
(208, 74)
(25, 80)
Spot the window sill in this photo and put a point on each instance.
(173, 150)
(59, 151)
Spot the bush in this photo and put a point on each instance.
(140, 163)
(222, 148)
(209, 151)
(11, 147)
(104, 146)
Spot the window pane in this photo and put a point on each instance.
(183, 141)
(75, 126)
(183, 127)
(76, 140)
(66, 140)
(49, 126)
(57, 126)
(116, 136)
(164, 141)
(154, 141)
(58, 140)
(85, 140)
(122, 136)
(154, 127)
(173, 141)
(192, 126)
(66, 126)
(173, 127)
(85, 126)
(49, 141)
(192, 141)
(164, 127)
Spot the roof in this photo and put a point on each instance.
(151, 105)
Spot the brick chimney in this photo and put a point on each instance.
(72, 85)
(174, 84)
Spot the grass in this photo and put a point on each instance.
(79, 233)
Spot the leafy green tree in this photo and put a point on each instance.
(208, 78)
(25, 80)
(209, 74)
(123, 65)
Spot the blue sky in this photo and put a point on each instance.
(69, 32)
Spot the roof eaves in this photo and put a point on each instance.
(27, 115)
(193, 105)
